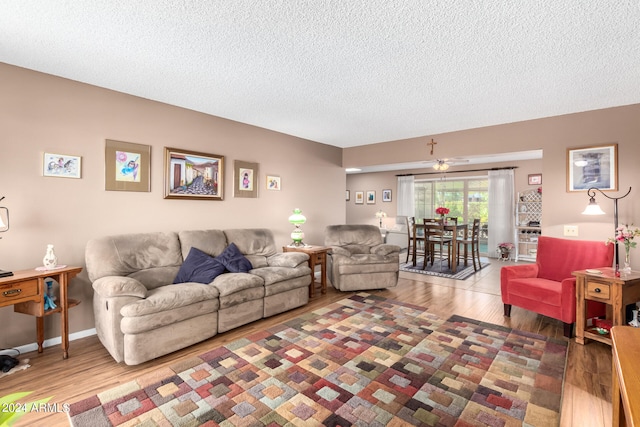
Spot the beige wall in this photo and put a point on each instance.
(620, 125)
(365, 213)
(41, 113)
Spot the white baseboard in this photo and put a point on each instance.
(55, 341)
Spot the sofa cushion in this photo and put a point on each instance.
(199, 267)
(233, 260)
(170, 297)
(557, 258)
(253, 241)
(272, 275)
(230, 283)
(212, 242)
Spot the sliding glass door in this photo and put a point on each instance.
(466, 199)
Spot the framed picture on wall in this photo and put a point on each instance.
(193, 175)
(386, 195)
(61, 165)
(592, 167)
(273, 183)
(359, 197)
(246, 179)
(371, 197)
(535, 179)
(347, 195)
(127, 166)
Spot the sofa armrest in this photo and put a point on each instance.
(507, 273)
(119, 286)
(339, 250)
(385, 249)
(287, 259)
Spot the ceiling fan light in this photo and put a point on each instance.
(441, 166)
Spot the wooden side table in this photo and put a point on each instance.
(25, 290)
(617, 292)
(317, 256)
(625, 376)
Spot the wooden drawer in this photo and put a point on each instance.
(17, 292)
(598, 290)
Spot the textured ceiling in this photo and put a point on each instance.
(341, 72)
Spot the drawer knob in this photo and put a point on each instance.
(597, 290)
(12, 292)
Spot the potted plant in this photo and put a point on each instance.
(505, 250)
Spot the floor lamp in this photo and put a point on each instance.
(4, 226)
(594, 209)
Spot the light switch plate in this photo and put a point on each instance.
(571, 230)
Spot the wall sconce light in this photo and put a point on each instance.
(4, 226)
(594, 209)
(297, 219)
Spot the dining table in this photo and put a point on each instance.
(454, 229)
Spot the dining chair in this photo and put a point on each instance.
(435, 242)
(419, 241)
(469, 248)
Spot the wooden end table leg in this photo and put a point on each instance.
(323, 273)
(40, 332)
(64, 316)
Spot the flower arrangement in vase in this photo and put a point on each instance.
(442, 211)
(625, 235)
(505, 250)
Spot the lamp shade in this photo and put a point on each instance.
(297, 218)
(593, 208)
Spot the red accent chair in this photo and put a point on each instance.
(547, 287)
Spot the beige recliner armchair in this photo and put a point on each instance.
(359, 259)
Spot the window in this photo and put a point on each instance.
(466, 198)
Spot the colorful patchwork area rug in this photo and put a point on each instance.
(461, 273)
(363, 361)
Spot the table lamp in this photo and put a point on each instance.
(297, 219)
(594, 209)
(4, 226)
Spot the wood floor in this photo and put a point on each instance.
(89, 368)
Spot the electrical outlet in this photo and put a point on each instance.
(571, 230)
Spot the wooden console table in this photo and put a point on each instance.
(625, 390)
(25, 290)
(604, 287)
(317, 256)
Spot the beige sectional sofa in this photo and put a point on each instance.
(141, 314)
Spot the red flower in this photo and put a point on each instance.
(442, 210)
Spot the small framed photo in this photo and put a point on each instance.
(193, 175)
(246, 179)
(273, 183)
(127, 166)
(535, 179)
(61, 165)
(386, 195)
(359, 197)
(592, 167)
(347, 195)
(371, 197)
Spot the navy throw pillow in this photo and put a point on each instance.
(233, 260)
(199, 267)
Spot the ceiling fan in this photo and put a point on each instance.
(444, 164)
